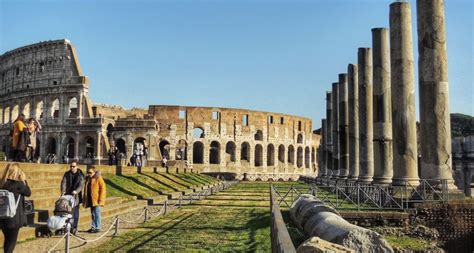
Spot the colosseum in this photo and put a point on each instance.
(45, 81)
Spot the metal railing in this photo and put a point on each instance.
(351, 195)
(281, 241)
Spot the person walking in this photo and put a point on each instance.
(33, 129)
(72, 184)
(14, 180)
(94, 197)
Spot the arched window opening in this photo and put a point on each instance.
(51, 146)
(306, 157)
(230, 150)
(120, 144)
(70, 148)
(270, 155)
(182, 150)
(110, 129)
(281, 154)
(55, 109)
(214, 154)
(258, 155)
(39, 110)
(15, 112)
(245, 152)
(89, 147)
(299, 157)
(6, 113)
(300, 139)
(259, 135)
(26, 110)
(164, 149)
(198, 152)
(291, 154)
(73, 112)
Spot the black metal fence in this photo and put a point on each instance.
(281, 241)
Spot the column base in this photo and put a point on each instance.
(383, 181)
(352, 179)
(405, 181)
(364, 180)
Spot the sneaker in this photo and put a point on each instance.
(95, 231)
(74, 231)
(91, 230)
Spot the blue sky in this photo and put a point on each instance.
(278, 56)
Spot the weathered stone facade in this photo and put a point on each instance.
(45, 81)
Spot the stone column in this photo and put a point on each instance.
(403, 96)
(76, 145)
(329, 133)
(366, 147)
(343, 127)
(435, 122)
(383, 154)
(353, 89)
(335, 131)
(323, 167)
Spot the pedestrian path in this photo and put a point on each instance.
(234, 220)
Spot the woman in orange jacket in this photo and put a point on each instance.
(94, 197)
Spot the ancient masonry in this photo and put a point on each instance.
(45, 81)
(382, 134)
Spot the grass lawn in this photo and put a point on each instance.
(230, 221)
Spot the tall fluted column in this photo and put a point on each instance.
(366, 147)
(383, 154)
(329, 142)
(343, 127)
(435, 122)
(405, 152)
(353, 89)
(323, 167)
(335, 131)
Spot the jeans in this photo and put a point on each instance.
(95, 211)
(75, 216)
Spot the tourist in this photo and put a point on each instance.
(19, 139)
(14, 180)
(33, 129)
(94, 197)
(72, 184)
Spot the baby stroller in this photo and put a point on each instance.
(62, 220)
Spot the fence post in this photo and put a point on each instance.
(146, 215)
(117, 221)
(179, 201)
(166, 205)
(66, 245)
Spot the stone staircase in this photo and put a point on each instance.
(44, 181)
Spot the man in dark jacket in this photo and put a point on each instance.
(72, 184)
(14, 180)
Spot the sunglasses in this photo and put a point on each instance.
(72, 166)
(90, 173)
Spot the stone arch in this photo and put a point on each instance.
(270, 155)
(299, 139)
(110, 129)
(89, 147)
(198, 133)
(72, 108)
(245, 152)
(198, 152)
(39, 110)
(70, 149)
(121, 145)
(182, 150)
(164, 147)
(230, 150)
(258, 179)
(259, 135)
(214, 153)
(15, 112)
(281, 153)
(281, 179)
(299, 157)
(291, 154)
(306, 157)
(26, 110)
(258, 155)
(50, 145)
(6, 113)
(55, 109)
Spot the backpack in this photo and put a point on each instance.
(63, 206)
(7, 204)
